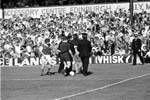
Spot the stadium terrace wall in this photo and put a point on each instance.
(36, 12)
(116, 59)
(1, 13)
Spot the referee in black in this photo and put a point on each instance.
(136, 48)
(84, 48)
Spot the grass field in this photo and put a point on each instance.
(107, 82)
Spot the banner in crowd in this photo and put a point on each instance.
(0, 13)
(93, 60)
(36, 12)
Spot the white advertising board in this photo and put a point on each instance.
(36, 12)
(0, 13)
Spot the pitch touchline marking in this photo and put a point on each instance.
(100, 88)
(40, 79)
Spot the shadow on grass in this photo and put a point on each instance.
(88, 73)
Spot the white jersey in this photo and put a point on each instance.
(29, 49)
(18, 49)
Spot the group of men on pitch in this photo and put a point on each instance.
(72, 53)
(75, 52)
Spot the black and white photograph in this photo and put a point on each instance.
(74, 49)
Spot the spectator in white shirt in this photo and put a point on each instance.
(122, 51)
(17, 48)
(147, 57)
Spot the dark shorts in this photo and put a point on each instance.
(65, 57)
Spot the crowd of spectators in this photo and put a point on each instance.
(110, 32)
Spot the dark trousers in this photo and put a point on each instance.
(85, 63)
(134, 57)
(147, 60)
(61, 66)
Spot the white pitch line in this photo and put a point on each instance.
(40, 79)
(100, 88)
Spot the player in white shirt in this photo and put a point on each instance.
(147, 57)
(122, 51)
(148, 54)
(77, 60)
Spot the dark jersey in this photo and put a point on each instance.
(84, 47)
(136, 45)
(46, 50)
(64, 48)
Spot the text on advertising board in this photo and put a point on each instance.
(93, 60)
(36, 12)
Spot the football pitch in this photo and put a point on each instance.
(106, 82)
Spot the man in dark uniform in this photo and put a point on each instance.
(136, 48)
(61, 64)
(65, 55)
(84, 48)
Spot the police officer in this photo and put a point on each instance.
(84, 48)
(136, 48)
